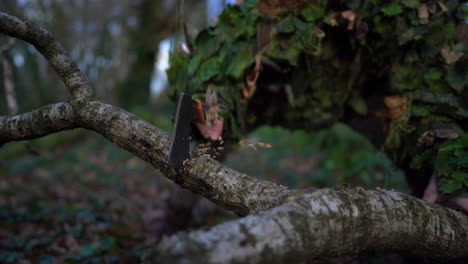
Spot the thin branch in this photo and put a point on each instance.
(323, 224)
(37, 123)
(43, 41)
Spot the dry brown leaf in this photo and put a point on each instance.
(423, 14)
(261, 144)
(268, 145)
(450, 56)
(442, 6)
(269, 7)
(334, 19)
(253, 147)
(243, 142)
(273, 7)
(348, 15)
(446, 133)
(396, 105)
(427, 138)
(251, 79)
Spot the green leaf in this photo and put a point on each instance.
(312, 13)
(420, 110)
(449, 185)
(457, 79)
(358, 104)
(242, 58)
(411, 3)
(433, 76)
(285, 25)
(392, 9)
(208, 70)
(420, 160)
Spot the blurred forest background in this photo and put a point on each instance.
(74, 196)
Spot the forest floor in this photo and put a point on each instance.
(81, 201)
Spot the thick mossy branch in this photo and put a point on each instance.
(229, 189)
(37, 123)
(43, 41)
(326, 223)
(235, 191)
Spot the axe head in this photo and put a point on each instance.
(187, 111)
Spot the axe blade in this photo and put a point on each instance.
(179, 149)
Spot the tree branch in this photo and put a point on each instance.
(326, 223)
(37, 123)
(229, 189)
(43, 41)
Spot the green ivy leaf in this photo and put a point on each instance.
(242, 58)
(392, 9)
(411, 3)
(358, 104)
(208, 69)
(312, 13)
(433, 76)
(285, 26)
(449, 185)
(420, 160)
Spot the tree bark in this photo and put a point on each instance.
(326, 223)
(288, 224)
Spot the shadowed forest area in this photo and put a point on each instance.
(309, 94)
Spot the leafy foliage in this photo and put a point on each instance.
(332, 60)
(450, 161)
(337, 155)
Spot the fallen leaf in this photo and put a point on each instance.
(253, 147)
(243, 142)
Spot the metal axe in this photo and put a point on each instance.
(187, 112)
